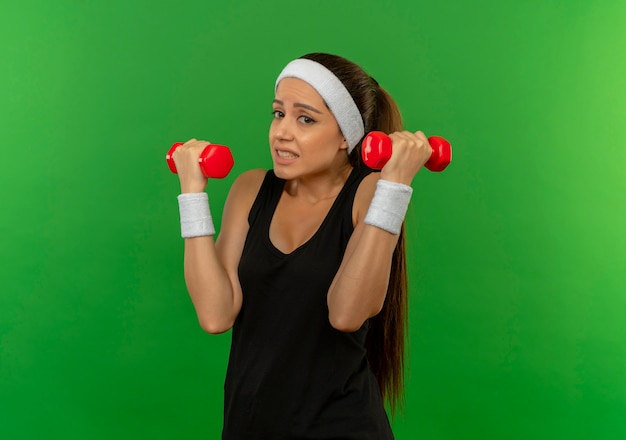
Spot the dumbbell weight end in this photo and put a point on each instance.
(215, 160)
(377, 147)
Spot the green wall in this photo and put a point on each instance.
(518, 250)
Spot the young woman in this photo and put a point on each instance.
(308, 269)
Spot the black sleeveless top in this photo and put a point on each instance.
(291, 375)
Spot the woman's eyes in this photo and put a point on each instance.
(306, 119)
(277, 114)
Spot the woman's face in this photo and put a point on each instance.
(304, 136)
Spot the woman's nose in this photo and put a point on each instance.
(282, 128)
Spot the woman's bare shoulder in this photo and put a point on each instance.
(243, 192)
(240, 199)
(364, 196)
(247, 184)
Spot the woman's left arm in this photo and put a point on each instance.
(359, 288)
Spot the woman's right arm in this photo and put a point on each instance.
(210, 265)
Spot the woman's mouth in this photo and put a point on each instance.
(286, 154)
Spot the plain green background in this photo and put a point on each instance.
(517, 251)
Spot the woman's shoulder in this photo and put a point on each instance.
(367, 186)
(245, 188)
(364, 195)
(240, 199)
(246, 185)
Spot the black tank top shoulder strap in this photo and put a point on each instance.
(354, 180)
(269, 192)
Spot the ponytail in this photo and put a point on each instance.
(386, 338)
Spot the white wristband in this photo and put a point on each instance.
(195, 215)
(389, 206)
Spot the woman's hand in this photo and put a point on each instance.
(410, 151)
(189, 173)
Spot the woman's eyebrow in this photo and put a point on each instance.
(299, 104)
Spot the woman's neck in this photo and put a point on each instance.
(319, 187)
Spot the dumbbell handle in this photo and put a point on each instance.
(215, 160)
(377, 146)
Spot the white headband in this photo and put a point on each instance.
(333, 92)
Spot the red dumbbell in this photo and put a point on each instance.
(376, 151)
(215, 161)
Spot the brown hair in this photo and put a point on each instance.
(387, 332)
